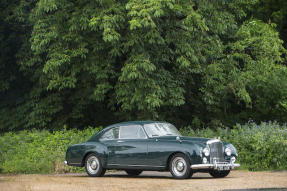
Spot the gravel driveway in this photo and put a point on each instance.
(237, 180)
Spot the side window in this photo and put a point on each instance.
(132, 132)
(111, 134)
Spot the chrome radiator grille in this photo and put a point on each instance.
(216, 151)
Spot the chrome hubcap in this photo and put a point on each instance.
(179, 166)
(93, 164)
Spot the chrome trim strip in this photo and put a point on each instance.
(202, 166)
(212, 166)
(134, 165)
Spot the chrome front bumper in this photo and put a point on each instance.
(216, 166)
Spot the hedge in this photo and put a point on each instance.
(260, 147)
(39, 151)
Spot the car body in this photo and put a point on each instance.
(151, 145)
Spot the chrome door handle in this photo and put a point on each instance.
(120, 141)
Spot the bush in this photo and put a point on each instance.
(262, 147)
(39, 151)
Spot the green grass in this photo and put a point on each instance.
(260, 147)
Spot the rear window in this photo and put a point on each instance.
(111, 134)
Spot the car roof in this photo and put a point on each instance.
(135, 123)
(97, 135)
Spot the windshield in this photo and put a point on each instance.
(161, 129)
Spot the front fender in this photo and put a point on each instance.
(233, 149)
(194, 151)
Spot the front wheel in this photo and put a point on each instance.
(179, 166)
(94, 166)
(219, 174)
(133, 172)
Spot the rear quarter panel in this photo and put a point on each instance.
(76, 154)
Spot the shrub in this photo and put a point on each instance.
(39, 151)
(260, 147)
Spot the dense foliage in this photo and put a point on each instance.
(261, 147)
(191, 62)
(39, 151)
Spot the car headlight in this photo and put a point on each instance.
(228, 151)
(206, 151)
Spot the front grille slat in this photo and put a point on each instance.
(216, 151)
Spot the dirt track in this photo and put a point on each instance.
(146, 181)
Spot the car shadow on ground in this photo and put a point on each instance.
(123, 176)
(140, 176)
(204, 177)
(157, 175)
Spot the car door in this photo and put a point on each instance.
(129, 149)
(158, 152)
(159, 148)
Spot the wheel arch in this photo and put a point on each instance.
(85, 156)
(174, 153)
(99, 149)
(92, 152)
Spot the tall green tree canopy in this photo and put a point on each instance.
(194, 62)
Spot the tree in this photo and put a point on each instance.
(275, 12)
(188, 62)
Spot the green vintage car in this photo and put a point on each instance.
(151, 145)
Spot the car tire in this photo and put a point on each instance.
(133, 172)
(94, 166)
(219, 174)
(179, 166)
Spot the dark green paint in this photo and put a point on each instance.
(147, 154)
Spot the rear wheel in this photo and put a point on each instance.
(219, 174)
(179, 166)
(94, 166)
(133, 172)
